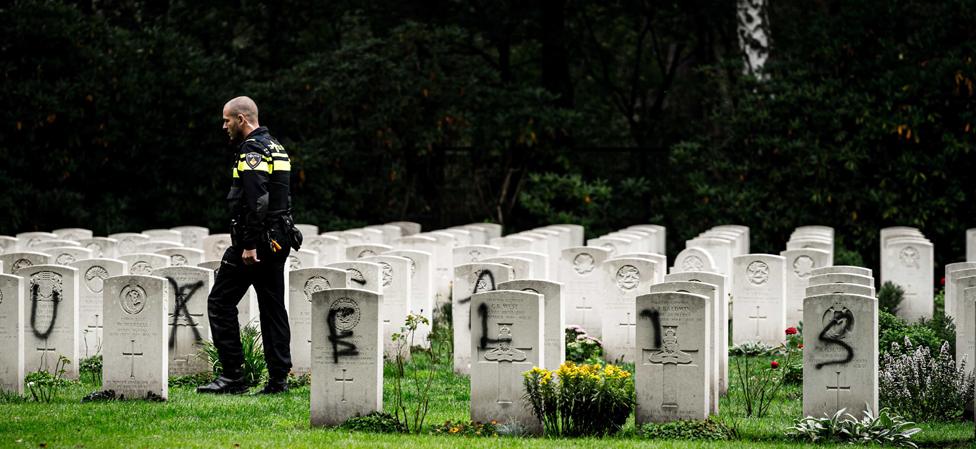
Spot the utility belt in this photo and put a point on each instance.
(281, 223)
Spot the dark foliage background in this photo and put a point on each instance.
(448, 111)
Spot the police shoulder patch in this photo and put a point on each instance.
(252, 159)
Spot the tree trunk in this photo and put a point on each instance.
(752, 21)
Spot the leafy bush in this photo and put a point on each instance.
(255, 368)
(300, 380)
(708, 429)
(892, 329)
(890, 297)
(924, 387)
(580, 400)
(377, 422)
(844, 256)
(582, 347)
(412, 382)
(467, 429)
(44, 386)
(886, 429)
(759, 385)
(91, 368)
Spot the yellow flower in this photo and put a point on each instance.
(454, 430)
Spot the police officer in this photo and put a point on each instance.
(261, 237)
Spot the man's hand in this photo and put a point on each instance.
(250, 256)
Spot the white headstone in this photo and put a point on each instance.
(361, 275)
(421, 288)
(721, 318)
(840, 354)
(73, 233)
(182, 257)
(164, 235)
(835, 269)
(329, 248)
(135, 356)
(28, 240)
(799, 264)
(302, 258)
(470, 279)
(473, 253)
(13, 263)
(672, 374)
(395, 277)
(51, 295)
(128, 241)
(214, 246)
(12, 333)
(101, 247)
(522, 267)
(144, 264)
(506, 340)
(623, 280)
(694, 259)
(347, 355)
(188, 323)
(303, 283)
(92, 274)
(758, 299)
(65, 255)
(579, 271)
(554, 317)
(358, 252)
(192, 236)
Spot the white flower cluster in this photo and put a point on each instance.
(922, 386)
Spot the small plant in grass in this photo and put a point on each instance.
(255, 368)
(708, 429)
(91, 369)
(191, 380)
(925, 387)
(582, 347)
(415, 377)
(886, 429)
(377, 422)
(890, 297)
(44, 386)
(580, 400)
(467, 429)
(760, 384)
(299, 380)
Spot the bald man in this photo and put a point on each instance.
(262, 235)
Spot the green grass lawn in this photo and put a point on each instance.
(191, 420)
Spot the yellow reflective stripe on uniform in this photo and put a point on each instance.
(263, 166)
(282, 165)
(235, 173)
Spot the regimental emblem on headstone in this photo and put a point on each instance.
(387, 272)
(838, 325)
(413, 266)
(177, 260)
(484, 281)
(95, 278)
(95, 249)
(366, 253)
(583, 263)
(346, 312)
(909, 257)
(474, 255)
(20, 264)
(758, 272)
(64, 259)
(132, 299)
(221, 246)
(802, 266)
(669, 357)
(356, 277)
(45, 287)
(628, 277)
(294, 263)
(315, 284)
(141, 268)
(504, 352)
(692, 263)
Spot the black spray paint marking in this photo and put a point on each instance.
(338, 338)
(481, 276)
(485, 341)
(655, 318)
(847, 318)
(56, 299)
(183, 295)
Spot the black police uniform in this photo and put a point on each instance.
(261, 203)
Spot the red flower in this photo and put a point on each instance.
(943, 281)
(800, 346)
(774, 364)
(791, 331)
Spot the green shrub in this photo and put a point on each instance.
(91, 368)
(708, 429)
(890, 297)
(582, 347)
(885, 429)
(467, 429)
(44, 386)
(377, 422)
(923, 385)
(580, 400)
(255, 368)
(844, 256)
(191, 380)
(300, 380)
(892, 329)
(752, 349)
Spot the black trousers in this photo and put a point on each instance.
(231, 283)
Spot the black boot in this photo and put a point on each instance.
(275, 386)
(224, 385)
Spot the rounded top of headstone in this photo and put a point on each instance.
(849, 269)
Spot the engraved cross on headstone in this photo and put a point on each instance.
(583, 309)
(629, 326)
(668, 357)
(757, 317)
(93, 329)
(132, 354)
(837, 387)
(504, 355)
(44, 365)
(343, 380)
